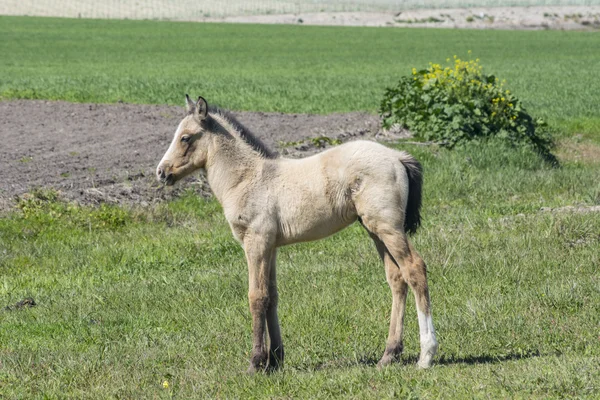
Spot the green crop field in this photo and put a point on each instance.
(285, 68)
(152, 302)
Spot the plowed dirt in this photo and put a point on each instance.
(99, 153)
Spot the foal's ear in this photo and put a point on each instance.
(201, 108)
(190, 104)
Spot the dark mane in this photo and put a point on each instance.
(245, 134)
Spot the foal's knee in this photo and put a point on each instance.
(259, 300)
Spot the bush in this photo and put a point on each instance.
(456, 104)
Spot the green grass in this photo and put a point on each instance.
(130, 298)
(285, 68)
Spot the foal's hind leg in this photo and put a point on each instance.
(414, 271)
(398, 286)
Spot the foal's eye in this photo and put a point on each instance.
(185, 139)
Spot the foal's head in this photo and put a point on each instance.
(188, 150)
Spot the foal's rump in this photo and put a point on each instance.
(390, 185)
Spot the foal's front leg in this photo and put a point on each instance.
(258, 255)
(275, 342)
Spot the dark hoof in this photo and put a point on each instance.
(253, 370)
(385, 361)
(258, 363)
(390, 355)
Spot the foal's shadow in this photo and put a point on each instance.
(484, 358)
(444, 359)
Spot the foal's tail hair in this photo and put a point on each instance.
(412, 217)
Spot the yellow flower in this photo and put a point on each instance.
(166, 384)
(414, 71)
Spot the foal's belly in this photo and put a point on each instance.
(310, 226)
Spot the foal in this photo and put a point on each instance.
(271, 201)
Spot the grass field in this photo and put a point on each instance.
(129, 299)
(285, 68)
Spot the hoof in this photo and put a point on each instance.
(253, 369)
(385, 361)
(391, 354)
(258, 363)
(428, 350)
(425, 362)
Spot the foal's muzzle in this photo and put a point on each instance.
(164, 177)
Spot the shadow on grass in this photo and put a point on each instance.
(485, 358)
(371, 360)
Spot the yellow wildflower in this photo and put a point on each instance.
(165, 384)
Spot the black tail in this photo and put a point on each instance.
(412, 219)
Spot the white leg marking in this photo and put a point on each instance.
(429, 344)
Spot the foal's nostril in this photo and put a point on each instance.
(161, 173)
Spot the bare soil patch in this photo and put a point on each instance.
(565, 17)
(578, 149)
(520, 18)
(107, 153)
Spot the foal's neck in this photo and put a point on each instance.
(231, 163)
